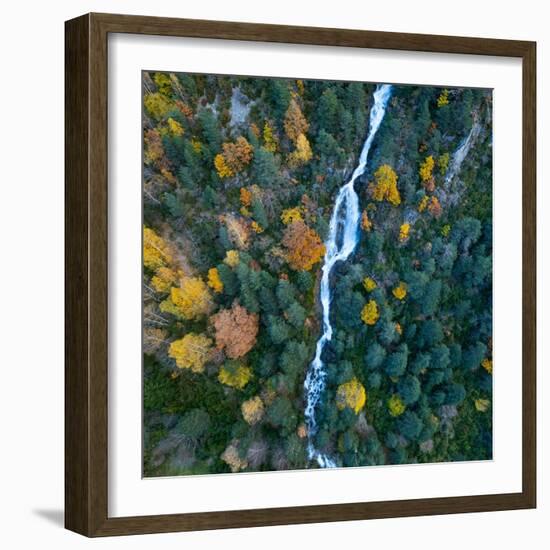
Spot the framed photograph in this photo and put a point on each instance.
(300, 275)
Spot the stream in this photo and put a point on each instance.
(342, 240)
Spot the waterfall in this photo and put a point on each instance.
(342, 240)
(461, 152)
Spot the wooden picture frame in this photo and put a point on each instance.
(86, 282)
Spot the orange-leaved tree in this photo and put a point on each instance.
(304, 247)
(434, 207)
(295, 122)
(235, 157)
(236, 330)
(366, 223)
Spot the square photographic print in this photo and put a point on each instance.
(317, 274)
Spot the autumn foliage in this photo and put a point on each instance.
(434, 207)
(302, 154)
(236, 330)
(156, 251)
(253, 410)
(385, 185)
(163, 279)
(370, 313)
(351, 394)
(235, 157)
(240, 178)
(396, 405)
(303, 246)
(443, 98)
(232, 258)
(369, 284)
(189, 300)
(295, 123)
(191, 351)
(366, 223)
(235, 375)
(214, 281)
(238, 231)
(426, 168)
(231, 457)
(404, 231)
(291, 215)
(400, 291)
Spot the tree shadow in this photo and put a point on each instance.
(55, 516)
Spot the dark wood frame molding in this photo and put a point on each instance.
(86, 274)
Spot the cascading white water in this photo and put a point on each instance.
(461, 152)
(342, 240)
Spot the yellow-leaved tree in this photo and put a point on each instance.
(385, 185)
(351, 394)
(214, 281)
(163, 279)
(175, 128)
(191, 351)
(232, 458)
(157, 105)
(404, 232)
(232, 258)
(396, 405)
(270, 139)
(370, 313)
(291, 215)
(156, 251)
(253, 410)
(443, 163)
(423, 203)
(223, 169)
(190, 300)
(302, 154)
(369, 283)
(400, 291)
(482, 405)
(235, 374)
(426, 169)
(487, 364)
(443, 98)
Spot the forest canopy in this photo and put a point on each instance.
(240, 177)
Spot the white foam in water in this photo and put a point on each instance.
(342, 240)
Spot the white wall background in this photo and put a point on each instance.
(31, 229)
